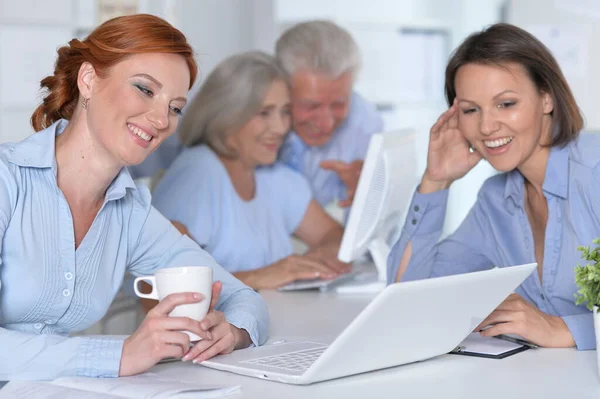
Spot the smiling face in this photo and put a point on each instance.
(319, 105)
(258, 141)
(136, 106)
(504, 116)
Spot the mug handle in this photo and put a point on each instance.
(151, 295)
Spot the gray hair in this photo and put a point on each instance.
(231, 95)
(318, 46)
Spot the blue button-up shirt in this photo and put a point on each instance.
(348, 143)
(497, 232)
(241, 235)
(49, 289)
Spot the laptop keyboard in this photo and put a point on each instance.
(318, 283)
(293, 361)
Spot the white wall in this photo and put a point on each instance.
(220, 28)
(30, 32)
(571, 30)
(216, 28)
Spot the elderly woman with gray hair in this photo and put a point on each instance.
(228, 190)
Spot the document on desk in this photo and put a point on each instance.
(141, 386)
(490, 347)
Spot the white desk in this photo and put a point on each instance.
(540, 373)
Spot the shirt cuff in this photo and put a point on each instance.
(100, 356)
(246, 322)
(426, 213)
(581, 327)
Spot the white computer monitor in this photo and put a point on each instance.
(385, 188)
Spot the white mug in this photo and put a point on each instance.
(181, 279)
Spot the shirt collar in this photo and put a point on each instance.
(514, 187)
(37, 151)
(120, 184)
(556, 180)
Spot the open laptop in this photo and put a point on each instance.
(407, 322)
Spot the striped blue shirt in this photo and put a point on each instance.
(49, 289)
(497, 232)
(241, 235)
(348, 143)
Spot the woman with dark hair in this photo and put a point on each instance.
(72, 221)
(510, 105)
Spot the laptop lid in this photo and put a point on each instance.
(405, 323)
(417, 320)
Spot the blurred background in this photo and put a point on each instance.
(404, 45)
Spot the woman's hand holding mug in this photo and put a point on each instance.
(185, 295)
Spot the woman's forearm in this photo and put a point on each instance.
(333, 237)
(252, 278)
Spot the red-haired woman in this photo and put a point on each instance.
(72, 221)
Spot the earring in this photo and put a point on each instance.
(84, 103)
(471, 148)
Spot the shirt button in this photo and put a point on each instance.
(49, 321)
(414, 221)
(38, 326)
(416, 208)
(66, 292)
(69, 276)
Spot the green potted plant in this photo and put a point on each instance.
(587, 278)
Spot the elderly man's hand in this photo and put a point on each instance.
(349, 173)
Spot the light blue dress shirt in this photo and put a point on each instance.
(49, 289)
(241, 235)
(497, 232)
(348, 143)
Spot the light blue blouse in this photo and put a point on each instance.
(240, 235)
(348, 143)
(48, 289)
(497, 232)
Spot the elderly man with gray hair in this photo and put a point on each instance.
(331, 124)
